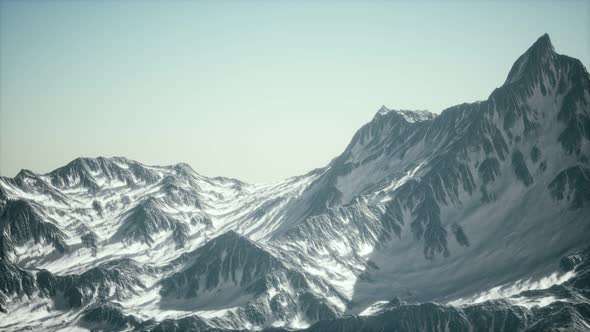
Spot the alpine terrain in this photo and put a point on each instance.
(474, 219)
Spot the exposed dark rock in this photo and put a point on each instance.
(520, 168)
(23, 220)
(109, 281)
(572, 184)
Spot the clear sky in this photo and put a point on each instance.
(256, 90)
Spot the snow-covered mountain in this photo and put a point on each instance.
(474, 218)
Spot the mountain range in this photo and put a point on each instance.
(477, 218)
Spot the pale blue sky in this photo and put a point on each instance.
(254, 90)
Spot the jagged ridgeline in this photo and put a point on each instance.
(473, 219)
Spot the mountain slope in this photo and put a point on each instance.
(494, 181)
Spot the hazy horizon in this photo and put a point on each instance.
(259, 91)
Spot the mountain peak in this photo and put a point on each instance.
(25, 173)
(406, 115)
(231, 236)
(533, 60)
(541, 48)
(544, 42)
(383, 110)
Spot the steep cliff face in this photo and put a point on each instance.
(424, 222)
(24, 221)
